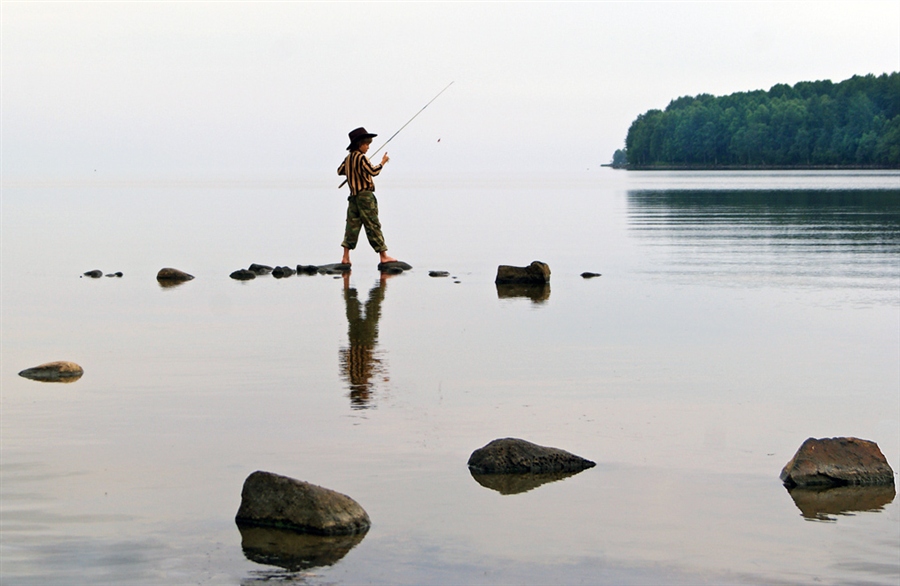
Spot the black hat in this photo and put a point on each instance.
(357, 135)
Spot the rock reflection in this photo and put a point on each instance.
(294, 551)
(362, 364)
(537, 293)
(518, 483)
(818, 504)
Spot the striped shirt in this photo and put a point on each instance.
(359, 172)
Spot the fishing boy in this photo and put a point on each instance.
(362, 207)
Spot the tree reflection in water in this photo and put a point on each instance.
(362, 364)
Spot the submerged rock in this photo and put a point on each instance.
(271, 500)
(281, 272)
(95, 274)
(394, 267)
(59, 372)
(587, 275)
(837, 461)
(260, 269)
(516, 456)
(295, 551)
(243, 275)
(536, 273)
(173, 275)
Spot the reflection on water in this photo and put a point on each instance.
(818, 504)
(839, 238)
(518, 483)
(537, 293)
(362, 364)
(295, 551)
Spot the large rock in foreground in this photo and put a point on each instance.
(173, 275)
(516, 456)
(837, 461)
(271, 500)
(57, 372)
(537, 273)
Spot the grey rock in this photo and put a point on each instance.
(537, 273)
(438, 274)
(837, 461)
(271, 500)
(116, 274)
(517, 456)
(170, 274)
(95, 274)
(334, 269)
(307, 269)
(394, 267)
(282, 272)
(259, 269)
(243, 275)
(59, 372)
(590, 275)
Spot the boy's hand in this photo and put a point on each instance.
(385, 158)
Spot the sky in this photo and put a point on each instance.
(257, 90)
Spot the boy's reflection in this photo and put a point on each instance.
(361, 361)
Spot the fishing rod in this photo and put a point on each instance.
(404, 126)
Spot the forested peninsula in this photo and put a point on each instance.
(814, 124)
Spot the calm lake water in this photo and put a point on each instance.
(737, 315)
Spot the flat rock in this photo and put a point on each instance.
(837, 461)
(271, 500)
(537, 273)
(587, 275)
(243, 275)
(333, 269)
(438, 274)
(95, 274)
(170, 274)
(517, 456)
(60, 371)
(394, 267)
(115, 274)
(260, 269)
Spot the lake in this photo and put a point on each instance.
(738, 313)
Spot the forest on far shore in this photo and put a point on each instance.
(854, 123)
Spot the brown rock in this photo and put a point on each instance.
(168, 274)
(516, 456)
(59, 372)
(837, 461)
(535, 274)
(271, 500)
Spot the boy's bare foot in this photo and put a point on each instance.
(386, 258)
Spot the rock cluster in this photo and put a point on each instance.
(271, 500)
(837, 461)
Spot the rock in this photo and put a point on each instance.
(116, 274)
(95, 274)
(243, 275)
(334, 269)
(394, 267)
(295, 551)
(516, 456)
(590, 275)
(175, 275)
(60, 371)
(837, 461)
(281, 272)
(518, 483)
(537, 273)
(259, 269)
(819, 503)
(307, 269)
(438, 274)
(271, 500)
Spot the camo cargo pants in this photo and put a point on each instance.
(362, 210)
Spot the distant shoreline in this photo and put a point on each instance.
(754, 167)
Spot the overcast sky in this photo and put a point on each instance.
(270, 90)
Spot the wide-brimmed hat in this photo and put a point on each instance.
(357, 135)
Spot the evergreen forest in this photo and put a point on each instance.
(854, 123)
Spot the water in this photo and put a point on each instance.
(737, 315)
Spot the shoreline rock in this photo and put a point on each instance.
(537, 273)
(272, 500)
(837, 461)
(517, 456)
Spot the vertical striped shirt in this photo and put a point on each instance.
(359, 172)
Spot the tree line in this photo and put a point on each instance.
(854, 123)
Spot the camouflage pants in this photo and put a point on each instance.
(362, 210)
